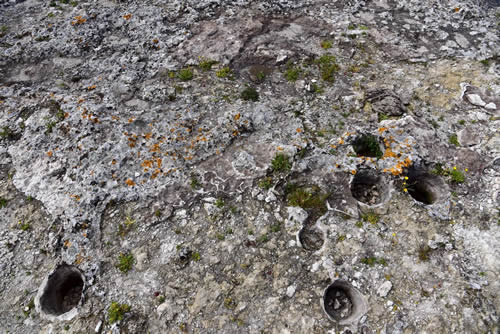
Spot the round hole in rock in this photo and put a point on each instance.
(367, 145)
(338, 301)
(63, 290)
(369, 187)
(424, 187)
(311, 238)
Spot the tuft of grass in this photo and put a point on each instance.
(24, 226)
(224, 72)
(195, 184)
(326, 44)
(423, 253)
(250, 94)
(219, 203)
(6, 133)
(125, 227)
(292, 73)
(3, 202)
(206, 64)
(195, 256)
(370, 217)
(281, 163)
(275, 227)
(454, 140)
(371, 261)
(328, 67)
(185, 74)
(125, 262)
(306, 197)
(457, 176)
(266, 183)
(116, 311)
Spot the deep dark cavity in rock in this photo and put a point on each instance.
(338, 301)
(367, 187)
(311, 238)
(63, 290)
(367, 145)
(424, 187)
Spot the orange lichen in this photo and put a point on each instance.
(382, 130)
(129, 182)
(127, 16)
(49, 154)
(78, 20)
(299, 130)
(92, 87)
(237, 117)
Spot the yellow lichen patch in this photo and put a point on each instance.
(237, 116)
(129, 182)
(91, 87)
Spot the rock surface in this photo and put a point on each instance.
(195, 161)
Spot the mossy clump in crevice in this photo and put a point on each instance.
(310, 198)
(367, 145)
(116, 312)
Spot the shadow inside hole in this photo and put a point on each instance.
(421, 192)
(338, 301)
(367, 187)
(63, 290)
(311, 238)
(367, 145)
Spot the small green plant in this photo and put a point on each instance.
(67, 327)
(23, 226)
(292, 74)
(219, 203)
(326, 44)
(261, 76)
(306, 197)
(263, 238)
(125, 227)
(3, 30)
(224, 72)
(485, 62)
(266, 183)
(50, 126)
(454, 140)
(161, 299)
(370, 217)
(125, 262)
(341, 238)
(29, 198)
(3, 202)
(6, 133)
(30, 306)
(185, 74)
(229, 303)
(157, 213)
(116, 311)
(195, 183)
(423, 252)
(195, 256)
(461, 122)
(220, 236)
(328, 67)
(457, 176)
(229, 231)
(359, 224)
(275, 227)
(383, 117)
(371, 261)
(250, 94)
(281, 163)
(206, 64)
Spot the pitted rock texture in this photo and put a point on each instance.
(195, 161)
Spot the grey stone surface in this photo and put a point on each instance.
(109, 147)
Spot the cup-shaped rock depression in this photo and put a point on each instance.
(369, 187)
(61, 291)
(343, 303)
(425, 187)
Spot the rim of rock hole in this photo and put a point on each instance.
(426, 188)
(61, 293)
(354, 302)
(380, 184)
